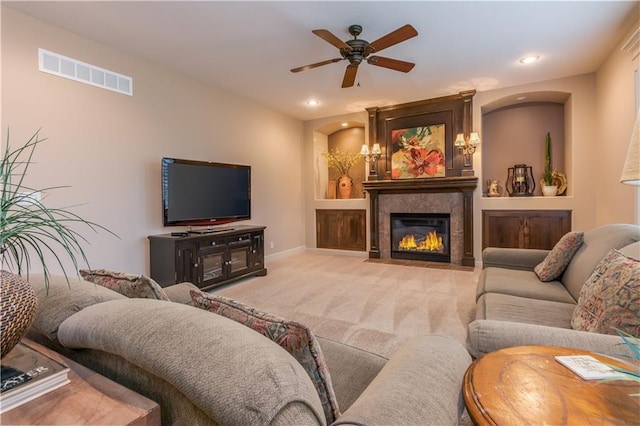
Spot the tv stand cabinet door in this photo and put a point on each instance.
(186, 263)
(240, 255)
(212, 259)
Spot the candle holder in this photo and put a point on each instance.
(520, 182)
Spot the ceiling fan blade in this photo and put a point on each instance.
(394, 37)
(316, 65)
(349, 76)
(392, 64)
(328, 36)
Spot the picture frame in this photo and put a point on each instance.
(418, 152)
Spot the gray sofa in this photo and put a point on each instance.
(515, 308)
(205, 369)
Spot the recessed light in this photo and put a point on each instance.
(521, 98)
(345, 124)
(529, 59)
(313, 102)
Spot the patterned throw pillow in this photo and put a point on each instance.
(296, 338)
(559, 257)
(131, 285)
(610, 297)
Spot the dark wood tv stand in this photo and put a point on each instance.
(209, 259)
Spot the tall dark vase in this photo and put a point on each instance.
(18, 305)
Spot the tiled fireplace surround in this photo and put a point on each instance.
(440, 195)
(422, 203)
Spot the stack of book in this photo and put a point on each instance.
(27, 374)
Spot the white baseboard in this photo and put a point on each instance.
(284, 254)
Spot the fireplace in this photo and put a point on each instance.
(421, 236)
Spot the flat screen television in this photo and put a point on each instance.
(204, 193)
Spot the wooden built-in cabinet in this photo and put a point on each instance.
(341, 229)
(536, 229)
(208, 260)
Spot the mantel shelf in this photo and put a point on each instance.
(446, 184)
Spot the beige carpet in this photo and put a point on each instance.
(369, 305)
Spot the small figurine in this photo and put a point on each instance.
(493, 188)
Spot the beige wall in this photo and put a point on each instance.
(107, 146)
(616, 92)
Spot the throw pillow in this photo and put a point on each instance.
(130, 285)
(296, 338)
(559, 257)
(611, 297)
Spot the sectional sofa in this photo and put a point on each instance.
(206, 369)
(514, 307)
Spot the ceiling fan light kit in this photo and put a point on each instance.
(358, 50)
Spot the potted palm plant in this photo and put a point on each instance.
(30, 232)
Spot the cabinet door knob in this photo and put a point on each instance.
(195, 265)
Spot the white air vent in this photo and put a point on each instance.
(62, 66)
(632, 44)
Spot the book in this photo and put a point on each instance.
(588, 367)
(27, 374)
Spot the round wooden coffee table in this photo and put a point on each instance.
(525, 385)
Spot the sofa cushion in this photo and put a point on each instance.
(180, 293)
(597, 243)
(504, 307)
(557, 260)
(420, 385)
(131, 285)
(296, 338)
(522, 284)
(236, 376)
(66, 296)
(611, 297)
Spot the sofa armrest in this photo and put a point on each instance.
(512, 258)
(489, 335)
(180, 293)
(421, 384)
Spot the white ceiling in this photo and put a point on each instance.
(248, 48)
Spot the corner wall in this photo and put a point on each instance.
(617, 83)
(107, 146)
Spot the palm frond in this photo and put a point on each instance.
(31, 232)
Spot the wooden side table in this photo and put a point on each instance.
(89, 399)
(525, 385)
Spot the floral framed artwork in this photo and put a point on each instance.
(418, 152)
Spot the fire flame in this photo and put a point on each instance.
(431, 242)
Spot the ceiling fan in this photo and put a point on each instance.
(358, 50)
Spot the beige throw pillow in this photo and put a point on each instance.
(610, 298)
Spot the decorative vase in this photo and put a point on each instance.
(18, 305)
(345, 184)
(549, 191)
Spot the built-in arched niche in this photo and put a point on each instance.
(348, 138)
(514, 130)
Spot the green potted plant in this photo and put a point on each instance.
(30, 232)
(549, 187)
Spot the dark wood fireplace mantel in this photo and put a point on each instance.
(464, 184)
